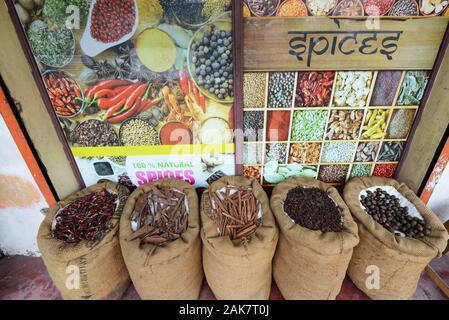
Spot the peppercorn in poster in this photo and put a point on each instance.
(143, 89)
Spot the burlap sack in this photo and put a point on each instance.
(399, 260)
(102, 272)
(310, 264)
(238, 269)
(172, 271)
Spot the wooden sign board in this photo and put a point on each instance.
(312, 43)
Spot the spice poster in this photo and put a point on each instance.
(332, 98)
(329, 125)
(143, 89)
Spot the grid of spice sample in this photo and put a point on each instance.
(328, 125)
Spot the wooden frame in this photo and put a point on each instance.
(237, 27)
(430, 125)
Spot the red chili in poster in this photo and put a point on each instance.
(385, 170)
(314, 89)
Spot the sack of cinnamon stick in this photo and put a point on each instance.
(159, 237)
(239, 236)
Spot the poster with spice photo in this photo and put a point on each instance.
(136, 78)
(328, 125)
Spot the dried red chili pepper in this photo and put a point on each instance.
(384, 170)
(314, 89)
(85, 217)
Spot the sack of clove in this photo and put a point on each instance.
(316, 240)
(79, 243)
(159, 236)
(239, 236)
(399, 236)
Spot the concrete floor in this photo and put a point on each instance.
(27, 278)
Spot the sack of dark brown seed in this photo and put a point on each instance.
(159, 237)
(399, 235)
(79, 243)
(316, 240)
(239, 236)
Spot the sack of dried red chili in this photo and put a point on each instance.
(79, 243)
(398, 234)
(159, 237)
(239, 236)
(317, 236)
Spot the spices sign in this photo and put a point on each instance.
(192, 168)
(305, 45)
(340, 44)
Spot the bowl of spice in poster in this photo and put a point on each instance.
(110, 23)
(404, 8)
(195, 14)
(246, 11)
(432, 7)
(53, 47)
(377, 7)
(210, 59)
(138, 132)
(263, 8)
(321, 7)
(292, 8)
(175, 132)
(349, 8)
(65, 94)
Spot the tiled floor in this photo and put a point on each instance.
(27, 278)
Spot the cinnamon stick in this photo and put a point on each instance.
(235, 211)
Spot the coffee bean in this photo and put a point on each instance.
(386, 210)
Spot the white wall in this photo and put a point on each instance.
(20, 200)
